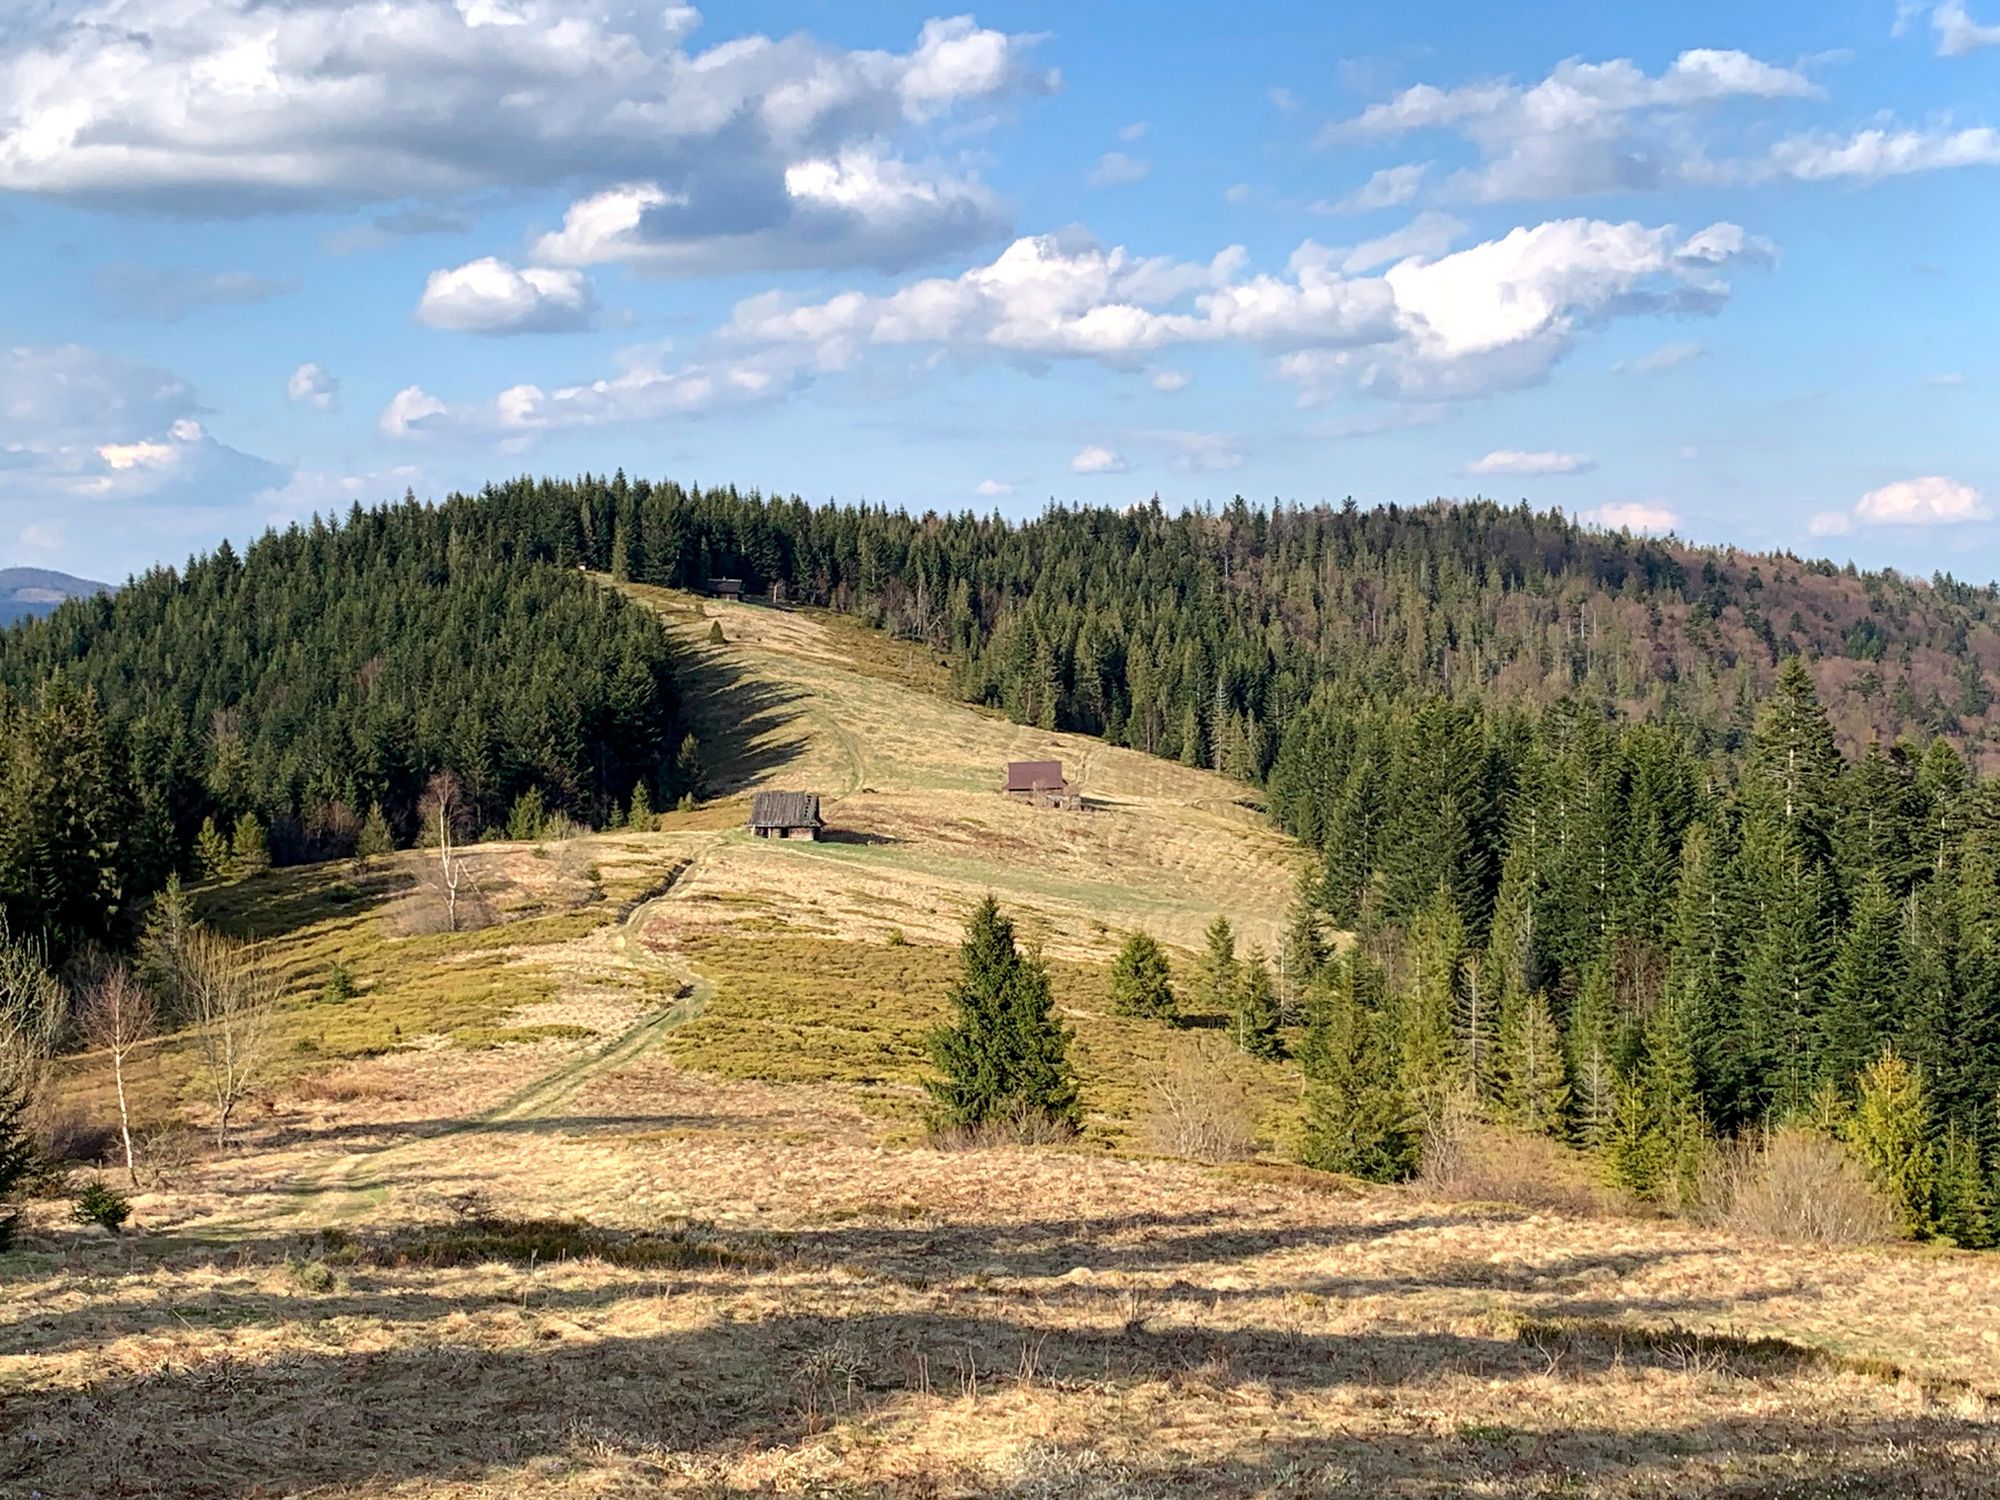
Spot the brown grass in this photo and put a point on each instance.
(651, 1255)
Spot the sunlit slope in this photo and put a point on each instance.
(917, 827)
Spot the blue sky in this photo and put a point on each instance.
(1723, 269)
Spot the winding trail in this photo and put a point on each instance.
(353, 1184)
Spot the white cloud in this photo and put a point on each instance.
(1957, 32)
(1117, 168)
(1639, 516)
(1666, 357)
(1171, 381)
(81, 427)
(1945, 378)
(196, 107)
(1830, 523)
(856, 208)
(490, 296)
(1493, 316)
(1238, 193)
(1585, 128)
(1283, 100)
(312, 386)
(1875, 153)
(1097, 459)
(1930, 501)
(1386, 189)
(646, 389)
(408, 410)
(1514, 461)
(993, 489)
(1136, 131)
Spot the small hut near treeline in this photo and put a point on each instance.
(1041, 783)
(785, 815)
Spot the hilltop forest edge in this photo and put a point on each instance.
(1639, 844)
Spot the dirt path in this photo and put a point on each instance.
(354, 1184)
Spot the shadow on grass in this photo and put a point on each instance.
(740, 721)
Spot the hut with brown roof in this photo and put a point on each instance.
(785, 815)
(1041, 782)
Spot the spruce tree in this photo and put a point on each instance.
(1890, 1132)
(1964, 1207)
(17, 1158)
(1593, 1069)
(375, 838)
(1142, 980)
(640, 819)
(1305, 946)
(1217, 977)
(1634, 1147)
(1530, 1077)
(1358, 1119)
(1863, 984)
(1429, 1003)
(1006, 1054)
(689, 775)
(1253, 1023)
(249, 853)
(211, 852)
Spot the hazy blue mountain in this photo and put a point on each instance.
(36, 591)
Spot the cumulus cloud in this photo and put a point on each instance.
(1513, 461)
(855, 208)
(312, 386)
(1098, 459)
(79, 427)
(1493, 316)
(490, 296)
(1644, 517)
(243, 106)
(993, 489)
(1117, 168)
(1958, 33)
(159, 295)
(1585, 128)
(1170, 381)
(647, 388)
(1929, 501)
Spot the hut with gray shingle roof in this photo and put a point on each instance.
(785, 815)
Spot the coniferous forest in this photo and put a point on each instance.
(1636, 843)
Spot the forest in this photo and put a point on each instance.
(274, 704)
(1629, 842)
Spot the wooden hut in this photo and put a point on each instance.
(1041, 783)
(785, 815)
(726, 588)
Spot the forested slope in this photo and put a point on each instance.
(328, 671)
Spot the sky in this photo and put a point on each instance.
(1724, 270)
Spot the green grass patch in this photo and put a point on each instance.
(794, 1008)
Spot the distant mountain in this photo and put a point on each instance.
(36, 591)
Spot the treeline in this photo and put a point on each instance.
(1199, 636)
(1611, 935)
(306, 689)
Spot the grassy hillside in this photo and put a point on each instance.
(622, 1194)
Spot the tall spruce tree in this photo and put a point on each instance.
(1005, 1056)
(1358, 1119)
(1253, 1022)
(1218, 976)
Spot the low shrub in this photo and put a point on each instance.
(1796, 1185)
(1199, 1113)
(101, 1204)
(1467, 1158)
(1024, 1127)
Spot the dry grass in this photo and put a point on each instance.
(626, 1252)
(1198, 1112)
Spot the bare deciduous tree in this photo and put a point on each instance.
(118, 1015)
(447, 818)
(232, 998)
(32, 1010)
